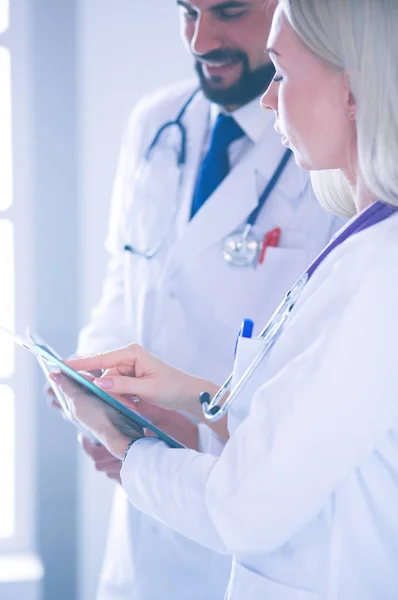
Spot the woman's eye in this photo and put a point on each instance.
(277, 78)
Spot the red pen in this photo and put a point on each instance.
(271, 240)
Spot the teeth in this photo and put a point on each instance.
(214, 64)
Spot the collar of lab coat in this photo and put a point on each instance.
(231, 203)
(249, 117)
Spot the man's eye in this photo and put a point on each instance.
(189, 14)
(231, 13)
(277, 78)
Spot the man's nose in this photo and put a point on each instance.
(207, 35)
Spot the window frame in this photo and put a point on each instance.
(23, 380)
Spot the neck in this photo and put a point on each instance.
(233, 108)
(363, 197)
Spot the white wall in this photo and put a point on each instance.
(126, 48)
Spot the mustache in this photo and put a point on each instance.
(221, 55)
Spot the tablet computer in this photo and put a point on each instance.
(34, 338)
(128, 422)
(47, 370)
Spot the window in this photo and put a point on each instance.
(4, 15)
(7, 359)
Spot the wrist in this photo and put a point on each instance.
(127, 448)
(195, 387)
(117, 445)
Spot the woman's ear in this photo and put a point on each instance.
(349, 99)
(352, 107)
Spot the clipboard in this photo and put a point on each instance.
(128, 422)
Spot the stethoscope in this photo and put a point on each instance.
(241, 248)
(214, 409)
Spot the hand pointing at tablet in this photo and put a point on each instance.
(96, 417)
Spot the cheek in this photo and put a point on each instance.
(329, 129)
(315, 125)
(294, 116)
(250, 37)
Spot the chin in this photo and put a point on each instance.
(300, 160)
(216, 83)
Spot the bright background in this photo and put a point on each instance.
(77, 68)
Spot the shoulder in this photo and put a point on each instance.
(363, 267)
(348, 308)
(373, 251)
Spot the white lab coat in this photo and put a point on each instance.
(186, 305)
(305, 493)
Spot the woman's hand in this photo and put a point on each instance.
(134, 372)
(95, 416)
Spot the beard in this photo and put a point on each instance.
(249, 85)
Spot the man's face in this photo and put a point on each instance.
(227, 40)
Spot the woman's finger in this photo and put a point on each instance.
(142, 387)
(126, 390)
(106, 360)
(149, 433)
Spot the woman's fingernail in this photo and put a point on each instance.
(104, 384)
(134, 399)
(56, 378)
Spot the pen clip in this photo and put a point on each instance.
(271, 240)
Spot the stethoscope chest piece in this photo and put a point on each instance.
(241, 250)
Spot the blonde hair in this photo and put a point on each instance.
(358, 37)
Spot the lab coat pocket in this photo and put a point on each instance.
(246, 351)
(247, 584)
(282, 267)
(260, 289)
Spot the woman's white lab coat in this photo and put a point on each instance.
(305, 494)
(186, 306)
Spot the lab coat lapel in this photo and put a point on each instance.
(232, 202)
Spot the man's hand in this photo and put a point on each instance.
(53, 401)
(104, 461)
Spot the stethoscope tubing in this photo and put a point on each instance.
(212, 409)
(252, 218)
(182, 154)
(215, 410)
(181, 161)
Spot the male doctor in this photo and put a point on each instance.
(186, 301)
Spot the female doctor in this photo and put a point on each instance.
(305, 493)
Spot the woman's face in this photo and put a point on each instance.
(314, 110)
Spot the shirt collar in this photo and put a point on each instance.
(253, 119)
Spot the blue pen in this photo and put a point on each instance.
(246, 331)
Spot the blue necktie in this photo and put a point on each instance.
(215, 165)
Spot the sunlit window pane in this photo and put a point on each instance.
(4, 15)
(7, 462)
(6, 297)
(5, 130)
